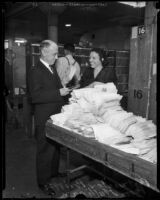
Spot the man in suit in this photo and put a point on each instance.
(46, 94)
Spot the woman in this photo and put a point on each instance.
(97, 73)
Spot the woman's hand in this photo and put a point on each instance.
(90, 85)
(76, 86)
(97, 83)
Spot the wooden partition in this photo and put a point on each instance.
(142, 68)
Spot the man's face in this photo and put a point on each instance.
(50, 54)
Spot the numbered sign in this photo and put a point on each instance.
(141, 30)
(138, 94)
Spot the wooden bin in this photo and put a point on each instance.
(131, 166)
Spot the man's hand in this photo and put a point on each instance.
(64, 91)
(75, 87)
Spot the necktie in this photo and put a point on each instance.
(51, 68)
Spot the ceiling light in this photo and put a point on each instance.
(135, 4)
(20, 40)
(68, 25)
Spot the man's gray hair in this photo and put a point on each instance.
(46, 44)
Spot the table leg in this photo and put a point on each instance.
(68, 171)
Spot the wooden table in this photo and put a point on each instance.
(142, 171)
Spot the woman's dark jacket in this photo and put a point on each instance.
(106, 75)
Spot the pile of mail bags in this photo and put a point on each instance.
(97, 113)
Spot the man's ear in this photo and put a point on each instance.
(44, 51)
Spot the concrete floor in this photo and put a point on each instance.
(20, 174)
(20, 170)
(20, 165)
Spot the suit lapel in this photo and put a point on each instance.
(44, 68)
(54, 76)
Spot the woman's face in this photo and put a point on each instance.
(94, 59)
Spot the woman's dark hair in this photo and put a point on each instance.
(102, 55)
(70, 47)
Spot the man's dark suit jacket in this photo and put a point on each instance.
(44, 91)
